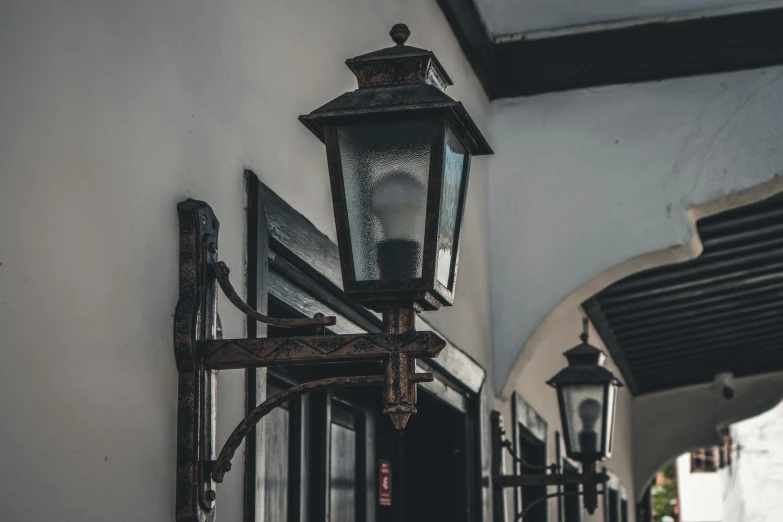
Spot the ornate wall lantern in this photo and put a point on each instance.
(399, 153)
(586, 393)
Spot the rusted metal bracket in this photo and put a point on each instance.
(221, 274)
(589, 478)
(200, 352)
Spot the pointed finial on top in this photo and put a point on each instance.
(585, 329)
(400, 33)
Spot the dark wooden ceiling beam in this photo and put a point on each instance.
(690, 300)
(662, 326)
(735, 301)
(691, 270)
(742, 320)
(728, 355)
(722, 338)
(639, 53)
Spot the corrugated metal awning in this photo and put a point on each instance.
(682, 324)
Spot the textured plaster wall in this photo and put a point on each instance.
(667, 423)
(699, 494)
(753, 487)
(110, 113)
(584, 181)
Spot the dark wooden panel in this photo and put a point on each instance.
(255, 378)
(682, 324)
(639, 53)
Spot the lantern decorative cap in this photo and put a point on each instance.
(585, 365)
(400, 33)
(398, 65)
(395, 80)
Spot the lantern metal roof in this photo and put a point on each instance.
(585, 365)
(398, 79)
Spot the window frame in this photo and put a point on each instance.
(704, 460)
(527, 424)
(298, 267)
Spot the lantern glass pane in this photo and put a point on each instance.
(386, 174)
(610, 409)
(454, 160)
(584, 408)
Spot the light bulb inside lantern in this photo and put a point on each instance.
(589, 412)
(398, 201)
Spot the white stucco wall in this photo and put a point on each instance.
(669, 422)
(587, 180)
(112, 112)
(700, 494)
(753, 487)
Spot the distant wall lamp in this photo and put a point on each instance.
(399, 151)
(586, 393)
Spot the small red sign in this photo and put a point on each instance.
(384, 483)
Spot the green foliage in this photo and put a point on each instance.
(668, 470)
(664, 499)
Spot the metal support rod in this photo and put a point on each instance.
(507, 444)
(221, 274)
(553, 479)
(590, 489)
(521, 515)
(223, 462)
(400, 367)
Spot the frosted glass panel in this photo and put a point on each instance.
(585, 402)
(453, 169)
(386, 173)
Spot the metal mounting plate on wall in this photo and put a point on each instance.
(195, 320)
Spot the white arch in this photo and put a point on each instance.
(671, 255)
(668, 423)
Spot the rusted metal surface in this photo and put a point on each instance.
(195, 319)
(399, 320)
(589, 478)
(248, 353)
(400, 367)
(222, 272)
(399, 65)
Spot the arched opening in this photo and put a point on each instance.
(754, 200)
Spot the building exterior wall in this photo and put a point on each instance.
(584, 181)
(112, 112)
(752, 487)
(699, 493)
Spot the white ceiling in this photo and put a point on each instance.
(518, 17)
